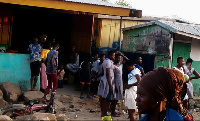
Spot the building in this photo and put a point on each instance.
(107, 30)
(69, 21)
(164, 41)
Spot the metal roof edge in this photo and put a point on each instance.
(139, 26)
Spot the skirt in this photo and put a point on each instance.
(43, 77)
(190, 90)
(130, 96)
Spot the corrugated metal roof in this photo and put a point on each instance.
(98, 2)
(171, 26)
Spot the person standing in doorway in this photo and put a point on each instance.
(34, 49)
(52, 65)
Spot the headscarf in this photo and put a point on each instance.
(166, 84)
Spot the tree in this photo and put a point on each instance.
(122, 2)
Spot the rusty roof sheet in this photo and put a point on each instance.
(98, 2)
(171, 26)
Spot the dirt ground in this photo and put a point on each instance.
(67, 102)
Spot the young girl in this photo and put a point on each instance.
(134, 78)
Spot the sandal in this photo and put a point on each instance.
(81, 96)
(90, 97)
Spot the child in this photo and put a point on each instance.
(61, 73)
(85, 70)
(131, 88)
(95, 65)
(138, 63)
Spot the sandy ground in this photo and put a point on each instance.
(68, 102)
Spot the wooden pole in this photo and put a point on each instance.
(170, 51)
(120, 34)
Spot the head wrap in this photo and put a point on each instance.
(165, 84)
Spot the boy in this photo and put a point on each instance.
(52, 65)
(138, 63)
(85, 70)
(61, 73)
(131, 89)
(95, 65)
(35, 49)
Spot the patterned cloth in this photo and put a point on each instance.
(35, 52)
(50, 55)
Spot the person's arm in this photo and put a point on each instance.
(52, 64)
(109, 79)
(136, 83)
(196, 75)
(75, 57)
(142, 71)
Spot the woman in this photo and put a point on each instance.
(106, 89)
(158, 95)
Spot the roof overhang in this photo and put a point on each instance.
(74, 6)
(189, 35)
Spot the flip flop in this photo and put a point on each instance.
(81, 96)
(90, 97)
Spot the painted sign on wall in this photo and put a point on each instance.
(148, 40)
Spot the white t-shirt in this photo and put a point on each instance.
(181, 69)
(95, 65)
(131, 77)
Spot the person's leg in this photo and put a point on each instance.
(82, 89)
(132, 115)
(88, 90)
(49, 77)
(35, 82)
(113, 107)
(55, 82)
(32, 81)
(105, 107)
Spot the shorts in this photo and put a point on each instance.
(130, 96)
(35, 68)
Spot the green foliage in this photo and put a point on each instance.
(122, 2)
(105, 0)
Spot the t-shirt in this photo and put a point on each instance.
(188, 71)
(180, 70)
(95, 66)
(138, 66)
(50, 55)
(85, 71)
(35, 52)
(131, 77)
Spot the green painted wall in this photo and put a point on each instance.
(183, 50)
(152, 39)
(16, 68)
(163, 63)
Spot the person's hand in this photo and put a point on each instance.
(190, 79)
(127, 86)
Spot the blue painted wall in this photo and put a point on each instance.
(16, 68)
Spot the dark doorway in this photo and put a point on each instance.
(33, 22)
